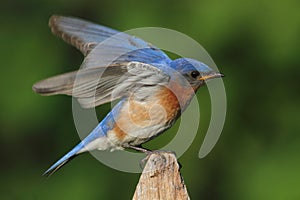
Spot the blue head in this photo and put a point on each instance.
(195, 72)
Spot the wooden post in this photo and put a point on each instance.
(161, 179)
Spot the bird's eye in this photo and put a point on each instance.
(195, 74)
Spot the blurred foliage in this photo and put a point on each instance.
(255, 43)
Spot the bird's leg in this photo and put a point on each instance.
(140, 149)
(143, 150)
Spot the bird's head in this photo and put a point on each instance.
(195, 72)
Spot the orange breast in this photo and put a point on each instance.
(158, 110)
(169, 101)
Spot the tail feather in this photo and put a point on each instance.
(95, 140)
(55, 168)
(64, 160)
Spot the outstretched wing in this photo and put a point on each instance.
(85, 36)
(96, 86)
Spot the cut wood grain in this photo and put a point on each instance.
(161, 179)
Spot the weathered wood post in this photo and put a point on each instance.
(161, 179)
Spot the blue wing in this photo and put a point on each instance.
(111, 58)
(103, 45)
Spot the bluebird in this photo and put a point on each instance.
(152, 90)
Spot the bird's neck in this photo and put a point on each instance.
(183, 92)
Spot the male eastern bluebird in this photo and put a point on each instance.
(151, 88)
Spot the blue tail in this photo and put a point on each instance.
(66, 158)
(83, 146)
(87, 144)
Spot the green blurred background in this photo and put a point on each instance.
(255, 43)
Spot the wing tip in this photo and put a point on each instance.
(59, 84)
(53, 24)
(39, 89)
(53, 20)
(60, 25)
(43, 92)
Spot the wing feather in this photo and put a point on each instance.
(86, 36)
(96, 86)
(82, 34)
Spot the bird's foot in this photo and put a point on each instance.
(149, 153)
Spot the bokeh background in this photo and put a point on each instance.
(255, 43)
